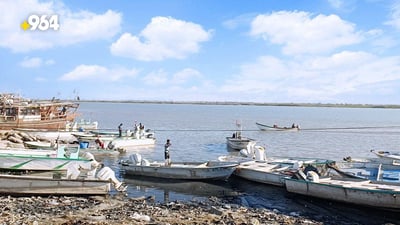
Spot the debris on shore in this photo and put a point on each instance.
(120, 209)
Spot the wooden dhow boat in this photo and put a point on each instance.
(136, 166)
(18, 112)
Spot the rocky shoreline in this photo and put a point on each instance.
(119, 209)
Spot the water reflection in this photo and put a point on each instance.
(165, 190)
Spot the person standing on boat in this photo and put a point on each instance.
(166, 153)
(120, 130)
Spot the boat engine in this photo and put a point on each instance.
(106, 173)
(312, 176)
(136, 159)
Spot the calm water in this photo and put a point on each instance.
(198, 132)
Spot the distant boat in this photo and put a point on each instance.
(18, 112)
(374, 194)
(239, 142)
(264, 127)
(178, 170)
(387, 157)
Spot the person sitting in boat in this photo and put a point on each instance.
(99, 143)
(293, 125)
(275, 126)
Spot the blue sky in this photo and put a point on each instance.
(301, 51)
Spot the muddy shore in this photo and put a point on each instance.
(119, 209)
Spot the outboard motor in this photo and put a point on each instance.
(135, 158)
(106, 173)
(312, 176)
(73, 171)
(145, 162)
(259, 153)
(244, 153)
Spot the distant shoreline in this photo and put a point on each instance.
(343, 105)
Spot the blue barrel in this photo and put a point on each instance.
(83, 145)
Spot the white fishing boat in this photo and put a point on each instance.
(212, 170)
(40, 145)
(76, 181)
(273, 171)
(115, 142)
(387, 157)
(44, 160)
(264, 127)
(366, 170)
(354, 191)
(237, 141)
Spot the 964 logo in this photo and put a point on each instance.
(41, 22)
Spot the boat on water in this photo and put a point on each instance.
(387, 157)
(273, 171)
(19, 112)
(237, 141)
(114, 141)
(95, 150)
(366, 170)
(264, 127)
(354, 191)
(211, 170)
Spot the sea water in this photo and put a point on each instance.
(198, 133)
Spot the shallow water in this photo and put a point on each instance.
(198, 132)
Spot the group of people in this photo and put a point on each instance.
(138, 130)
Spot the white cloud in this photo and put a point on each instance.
(301, 33)
(337, 4)
(96, 72)
(395, 16)
(155, 78)
(35, 62)
(75, 27)
(162, 38)
(185, 75)
(316, 79)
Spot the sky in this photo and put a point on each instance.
(265, 51)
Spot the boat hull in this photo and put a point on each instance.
(184, 171)
(39, 163)
(264, 127)
(239, 143)
(15, 184)
(356, 192)
(274, 171)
